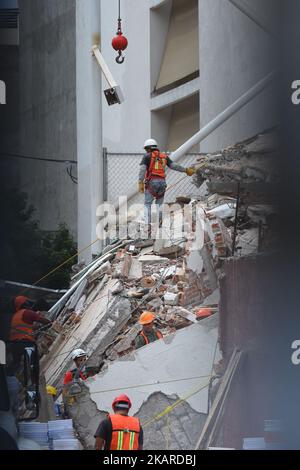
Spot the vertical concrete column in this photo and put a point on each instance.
(89, 133)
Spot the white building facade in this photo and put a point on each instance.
(186, 61)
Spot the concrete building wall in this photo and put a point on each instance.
(88, 130)
(141, 116)
(9, 115)
(234, 54)
(126, 126)
(48, 108)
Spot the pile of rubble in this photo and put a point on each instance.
(253, 161)
(175, 277)
(101, 313)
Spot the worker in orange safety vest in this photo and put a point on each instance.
(149, 334)
(119, 431)
(152, 177)
(23, 329)
(22, 324)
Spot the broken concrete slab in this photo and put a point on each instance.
(194, 261)
(125, 343)
(224, 211)
(247, 241)
(212, 299)
(96, 291)
(115, 318)
(186, 357)
(117, 289)
(178, 430)
(170, 298)
(144, 243)
(183, 312)
(71, 303)
(260, 212)
(169, 272)
(126, 266)
(152, 259)
(264, 143)
(155, 303)
(55, 364)
(80, 305)
(147, 250)
(105, 268)
(136, 271)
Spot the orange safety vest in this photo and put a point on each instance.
(19, 330)
(158, 334)
(157, 165)
(125, 432)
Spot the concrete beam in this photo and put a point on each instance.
(174, 96)
(157, 3)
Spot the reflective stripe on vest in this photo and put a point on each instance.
(158, 335)
(19, 329)
(125, 432)
(157, 165)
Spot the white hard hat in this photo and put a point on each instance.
(150, 143)
(77, 353)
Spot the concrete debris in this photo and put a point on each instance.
(194, 261)
(181, 360)
(177, 278)
(117, 289)
(76, 296)
(154, 304)
(80, 305)
(171, 299)
(247, 242)
(264, 143)
(136, 271)
(185, 314)
(220, 236)
(148, 282)
(260, 213)
(137, 293)
(99, 273)
(224, 211)
(255, 160)
(213, 299)
(169, 272)
(152, 259)
(183, 199)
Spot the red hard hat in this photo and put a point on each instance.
(123, 401)
(19, 301)
(204, 312)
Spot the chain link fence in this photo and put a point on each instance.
(121, 177)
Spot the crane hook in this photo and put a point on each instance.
(120, 59)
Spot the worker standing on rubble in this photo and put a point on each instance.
(22, 324)
(119, 431)
(79, 356)
(149, 334)
(152, 177)
(23, 327)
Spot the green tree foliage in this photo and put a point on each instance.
(28, 253)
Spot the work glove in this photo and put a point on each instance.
(190, 171)
(141, 186)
